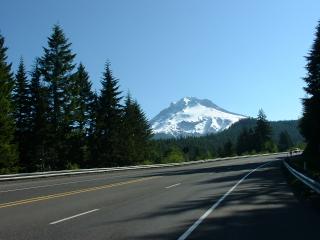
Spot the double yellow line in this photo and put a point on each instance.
(64, 194)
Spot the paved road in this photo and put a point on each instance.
(230, 199)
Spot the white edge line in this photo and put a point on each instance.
(174, 185)
(74, 216)
(214, 206)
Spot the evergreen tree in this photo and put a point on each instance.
(8, 153)
(310, 122)
(242, 144)
(83, 100)
(39, 125)
(246, 141)
(228, 149)
(21, 98)
(137, 133)
(57, 68)
(82, 117)
(109, 121)
(263, 132)
(92, 137)
(285, 141)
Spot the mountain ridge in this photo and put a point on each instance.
(191, 116)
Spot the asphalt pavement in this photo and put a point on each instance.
(245, 198)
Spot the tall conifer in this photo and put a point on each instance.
(21, 98)
(82, 115)
(310, 122)
(137, 133)
(262, 132)
(40, 159)
(109, 121)
(57, 68)
(8, 154)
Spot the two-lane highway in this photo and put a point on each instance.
(231, 199)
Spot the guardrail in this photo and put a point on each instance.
(21, 176)
(314, 185)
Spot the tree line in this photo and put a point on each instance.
(248, 136)
(51, 119)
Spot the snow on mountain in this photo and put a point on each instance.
(192, 117)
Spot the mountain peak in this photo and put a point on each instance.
(193, 116)
(186, 100)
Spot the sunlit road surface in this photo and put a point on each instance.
(230, 199)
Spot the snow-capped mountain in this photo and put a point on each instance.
(192, 117)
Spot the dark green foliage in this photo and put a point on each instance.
(21, 99)
(262, 133)
(258, 138)
(56, 68)
(240, 134)
(39, 125)
(193, 148)
(82, 116)
(109, 121)
(82, 100)
(292, 127)
(228, 150)
(285, 141)
(310, 122)
(8, 153)
(61, 123)
(136, 133)
(245, 142)
(22, 109)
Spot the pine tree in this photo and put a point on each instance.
(92, 137)
(246, 141)
(143, 133)
(8, 153)
(228, 149)
(39, 158)
(57, 68)
(83, 101)
(109, 121)
(242, 142)
(262, 132)
(310, 122)
(137, 133)
(21, 98)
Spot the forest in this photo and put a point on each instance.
(51, 119)
(248, 136)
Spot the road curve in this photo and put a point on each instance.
(230, 199)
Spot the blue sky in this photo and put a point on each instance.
(242, 55)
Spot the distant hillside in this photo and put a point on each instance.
(232, 133)
(290, 126)
(210, 146)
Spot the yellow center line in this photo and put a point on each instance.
(64, 194)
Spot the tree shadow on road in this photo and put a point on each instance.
(262, 207)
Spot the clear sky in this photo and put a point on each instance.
(242, 55)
